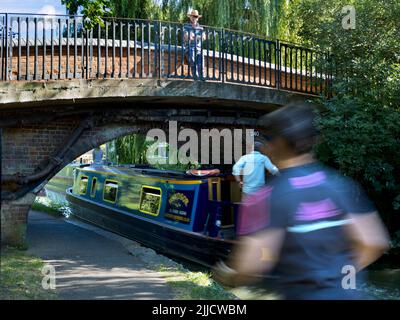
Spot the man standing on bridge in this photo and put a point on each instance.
(194, 36)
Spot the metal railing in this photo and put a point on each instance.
(41, 47)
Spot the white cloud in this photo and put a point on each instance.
(32, 6)
(48, 9)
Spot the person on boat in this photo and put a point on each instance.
(194, 36)
(249, 170)
(97, 155)
(321, 231)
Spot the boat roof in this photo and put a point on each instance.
(140, 171)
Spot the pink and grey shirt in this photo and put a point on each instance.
(312, 203)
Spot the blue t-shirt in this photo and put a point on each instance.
(252, 166)
(311, 203)
(197, 34)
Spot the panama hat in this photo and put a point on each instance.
(194, 13)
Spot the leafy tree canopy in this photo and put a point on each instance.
(360, 125)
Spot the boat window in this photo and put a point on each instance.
(150, 200)
(83, 185)
(93, 187)
(110, 191)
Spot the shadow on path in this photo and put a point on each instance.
(89, 265)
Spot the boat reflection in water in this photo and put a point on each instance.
(191, 215)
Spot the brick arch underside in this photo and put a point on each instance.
(27, 150)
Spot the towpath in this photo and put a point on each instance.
(91, 263)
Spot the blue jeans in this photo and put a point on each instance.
(195, 62)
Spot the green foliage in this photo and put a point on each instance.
(93, 10)
(130, 149)
(193, 285)
(254, 16)
(395, 244)
(263, 17)
(360, 126)
(141, 9)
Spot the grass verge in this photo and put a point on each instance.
(44, 204)
(21, 276)
(187, 285)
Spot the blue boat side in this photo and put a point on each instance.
(182, 202)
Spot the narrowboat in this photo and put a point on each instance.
(189, 215)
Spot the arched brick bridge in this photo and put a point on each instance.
(63, 93)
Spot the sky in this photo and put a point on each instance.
(32, 6)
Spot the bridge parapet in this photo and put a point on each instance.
(41, 47)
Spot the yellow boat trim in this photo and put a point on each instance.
(211, 182)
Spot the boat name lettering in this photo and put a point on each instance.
(178, 197)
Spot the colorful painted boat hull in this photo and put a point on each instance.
(181, 225)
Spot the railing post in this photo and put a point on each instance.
(1, 49)
(277, 65)
(87, 53)
(91, 53)
(223, 54)
(160, 55)
(5, 39)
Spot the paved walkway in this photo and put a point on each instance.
(91, 263)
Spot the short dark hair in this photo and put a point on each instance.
(258, 145)
(294, 123)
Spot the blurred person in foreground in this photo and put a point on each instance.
(319, 225)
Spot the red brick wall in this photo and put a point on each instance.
(171, 64)
(13, 222)
(27, 147)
